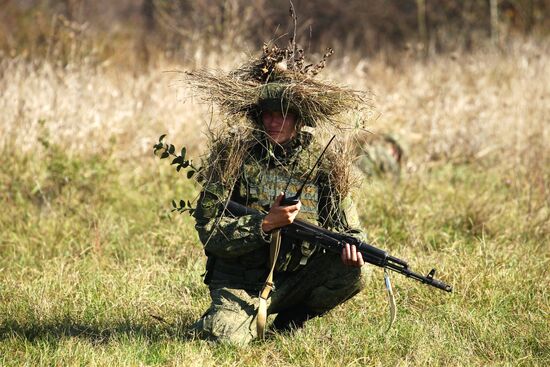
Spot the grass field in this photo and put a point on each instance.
(95, 270)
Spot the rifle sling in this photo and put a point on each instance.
(274, 249)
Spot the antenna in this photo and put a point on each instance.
(293, 200)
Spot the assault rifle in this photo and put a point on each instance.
(332, 241)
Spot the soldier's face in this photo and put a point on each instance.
(278, 126)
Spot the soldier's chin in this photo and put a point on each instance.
(280, 137)
(274, 136)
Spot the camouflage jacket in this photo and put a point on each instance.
(237, 248)
(379, 158)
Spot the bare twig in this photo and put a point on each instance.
(293, 47)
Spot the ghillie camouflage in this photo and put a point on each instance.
(245, 166)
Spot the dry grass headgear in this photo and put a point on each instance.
(278, 80)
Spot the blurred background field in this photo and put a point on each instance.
(95, 270)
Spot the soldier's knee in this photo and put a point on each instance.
(362, 277)
(337, 290)
(356, 278)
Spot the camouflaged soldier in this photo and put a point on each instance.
(381, 156)
(308, 281)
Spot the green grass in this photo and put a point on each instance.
(91, 259)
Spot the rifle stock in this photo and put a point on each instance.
(333, 241)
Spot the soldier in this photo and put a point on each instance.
(381, 156)
(307, 282)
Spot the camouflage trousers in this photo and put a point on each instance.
(313, 290)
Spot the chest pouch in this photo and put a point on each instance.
(293, 255)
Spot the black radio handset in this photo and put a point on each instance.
(293, 200)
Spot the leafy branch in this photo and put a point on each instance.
(166, 150)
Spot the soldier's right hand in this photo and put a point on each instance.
(280, 216)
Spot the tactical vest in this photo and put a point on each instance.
(261, 185)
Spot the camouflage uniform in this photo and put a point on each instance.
(382, 156)
(308, 281)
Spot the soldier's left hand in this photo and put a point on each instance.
(352, 257)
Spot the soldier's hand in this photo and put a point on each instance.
(280, 216)
(352, 257)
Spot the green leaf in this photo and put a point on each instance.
(188, 204)
(172, 149)
(177, 160)
(190, 174)
(164, 155)
(174, 204)
(182, 204)
(185, 164)
(178, 168)
(161, 137)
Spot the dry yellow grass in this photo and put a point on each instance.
(453, 108)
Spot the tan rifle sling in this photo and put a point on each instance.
(274, 248)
